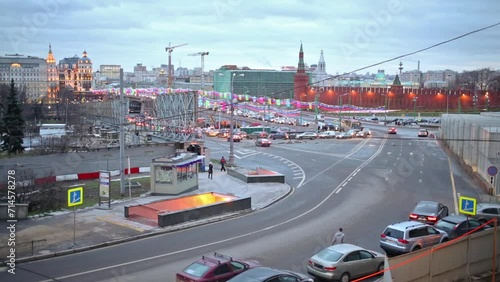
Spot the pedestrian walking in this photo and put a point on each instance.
(338, 238)
(210, 171)
(222, 164)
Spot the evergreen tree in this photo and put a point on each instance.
(13, 123)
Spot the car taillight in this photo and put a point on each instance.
(413, 216)
(431, 218)
(382, 235)
(330, 268)
(402, 241)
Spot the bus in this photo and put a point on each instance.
(53, 130)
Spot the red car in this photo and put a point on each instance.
(393, 130)
(263, 142)
(215, 267)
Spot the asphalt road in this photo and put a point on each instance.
(361, 185)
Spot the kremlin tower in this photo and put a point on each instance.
(301, 79)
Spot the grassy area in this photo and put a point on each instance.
(91, 192)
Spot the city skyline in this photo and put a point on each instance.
(259, 35)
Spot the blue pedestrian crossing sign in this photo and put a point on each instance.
(75, 196)
(467, 206)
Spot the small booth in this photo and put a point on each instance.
(176, 174)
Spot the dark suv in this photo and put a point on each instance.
(215, 267)
(278, 135)
(257, 135)
(458, 225)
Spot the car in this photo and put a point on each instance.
(361, 134)
(242, 134)
(307, 135)
(428, 212)
(236, 138)
(423, 133)
(215, 267)
(278, 135)
(263, 142)
(345, 262)
(224, 133)
(458, 225)
(212, 133)
(368, 131)
(393, 130)
(267, 274)
(408, 236)
(487, 211)
(343, 135)
(327, 135)
(257, 134)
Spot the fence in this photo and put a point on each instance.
(22, 249)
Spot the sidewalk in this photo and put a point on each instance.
(97, 227)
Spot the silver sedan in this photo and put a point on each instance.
(345, 262)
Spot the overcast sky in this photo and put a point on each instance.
(256, 33)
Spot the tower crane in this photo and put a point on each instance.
(202, 54)
(169, 49)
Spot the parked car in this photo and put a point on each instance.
(423, 133)
(266, 274)
(429, 212)
(236, 138)
(409, 236)
(393, 130)
(258, 134)
(278, 135)
(486, 212)
(215, 267)
(327, 135)
(307, 135)
(345, 262)
(458, 225)
(263, 142)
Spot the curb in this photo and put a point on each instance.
(178, 227)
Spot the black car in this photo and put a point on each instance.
(278, 135)
(429, 212)
(458, 225)
(266, 274)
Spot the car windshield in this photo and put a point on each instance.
(394, 233)
(426, 208)
(197, 269)
(329, 255)
(444, 225)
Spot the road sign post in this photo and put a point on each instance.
(75, 198)
(467, 206)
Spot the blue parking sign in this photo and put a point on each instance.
(75, 196)
(467, 206)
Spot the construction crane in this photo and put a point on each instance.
(202, 54)
(169, 49)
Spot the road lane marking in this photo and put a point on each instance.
(338, 190)
(454, 189)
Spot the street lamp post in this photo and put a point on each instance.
(414, 107)
(474, 101)
(231, 132)
(340, 111)
(447, 101)
(316, 110)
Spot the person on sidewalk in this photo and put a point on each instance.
(338, 238)
(222, 164)
(210, 171)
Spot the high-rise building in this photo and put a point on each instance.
(28, 72)
(76, 73)
(110, 72)
(52, 76)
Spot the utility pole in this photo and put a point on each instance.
(169, 49)
(122, 136)
(202, 54)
